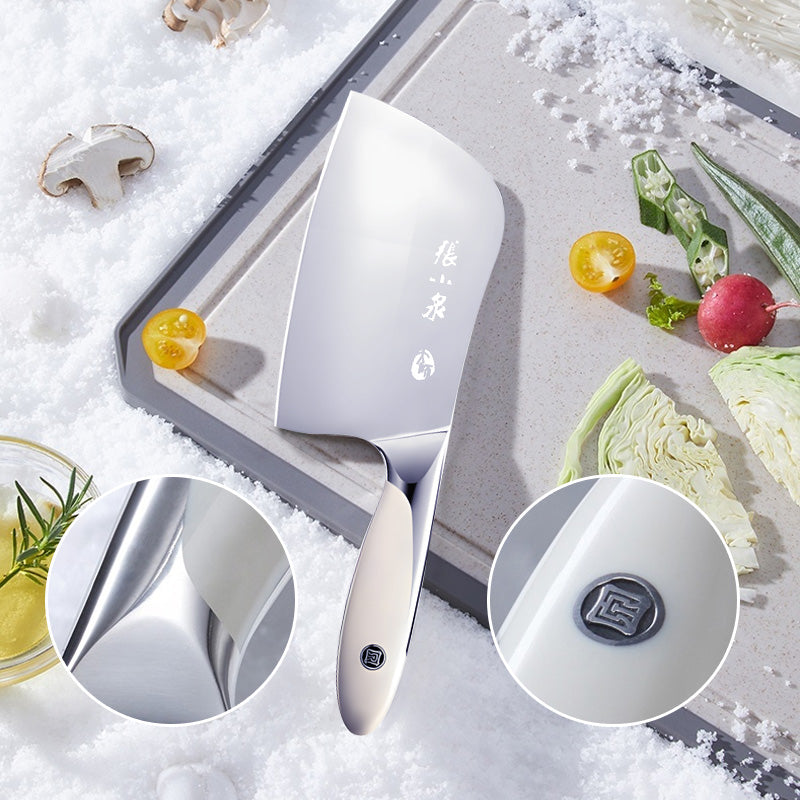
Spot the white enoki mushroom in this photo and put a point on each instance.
(98, 160)
(221, 20)
(769, 25)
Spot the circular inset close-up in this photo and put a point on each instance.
(171, 600)
(41, 494)
(613, 600)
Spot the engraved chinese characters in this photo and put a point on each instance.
(445, 258)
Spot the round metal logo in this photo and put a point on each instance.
(373, 657)
(619, 609)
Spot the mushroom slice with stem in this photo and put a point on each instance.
(221, 20)
(180, 13)
(98, 160)
(248, 16)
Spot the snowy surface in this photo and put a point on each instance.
(460, 727)
(624, 47)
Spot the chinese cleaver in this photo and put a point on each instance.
(404, 231)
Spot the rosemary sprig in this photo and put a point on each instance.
(30, 552)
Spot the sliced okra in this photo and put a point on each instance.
(684, 214)
(652, 180)
(707, 255)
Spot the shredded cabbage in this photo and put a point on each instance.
(761, 386)
(645, 435)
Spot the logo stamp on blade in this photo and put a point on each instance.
(373, 657)
(422, 365)
(619, 609)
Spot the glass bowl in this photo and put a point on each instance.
(27, 462)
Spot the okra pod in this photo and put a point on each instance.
(775, 230)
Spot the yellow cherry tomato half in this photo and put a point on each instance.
(601, 261)
(173, 337)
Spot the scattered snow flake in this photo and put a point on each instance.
(582, 131)
(705, 740)
(740, 711)
(540, 97)
(518, 43)
(768, 734)
(706, 737)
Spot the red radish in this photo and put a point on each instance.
(737, 310)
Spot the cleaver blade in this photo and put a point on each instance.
(404, 231)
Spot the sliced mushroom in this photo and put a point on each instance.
(244, 21)
(180, 13)
(220, 20)
(98, 160)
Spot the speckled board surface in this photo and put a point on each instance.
(541, 345)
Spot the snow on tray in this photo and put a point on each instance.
(625, 46)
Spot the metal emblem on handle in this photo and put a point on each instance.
(372, 657)
(619, 609)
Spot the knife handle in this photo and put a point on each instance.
(380, 609)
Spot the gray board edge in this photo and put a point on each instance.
(234, 213)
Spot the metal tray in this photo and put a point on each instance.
(526, 379)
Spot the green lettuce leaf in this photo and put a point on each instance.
(761, 386)
(645, 435)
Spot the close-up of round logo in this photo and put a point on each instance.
(619, 609)
(373, 657)
(567, 596)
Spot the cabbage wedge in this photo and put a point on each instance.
(761, 386)
(644, 435)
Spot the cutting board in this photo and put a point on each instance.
(541, 345)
